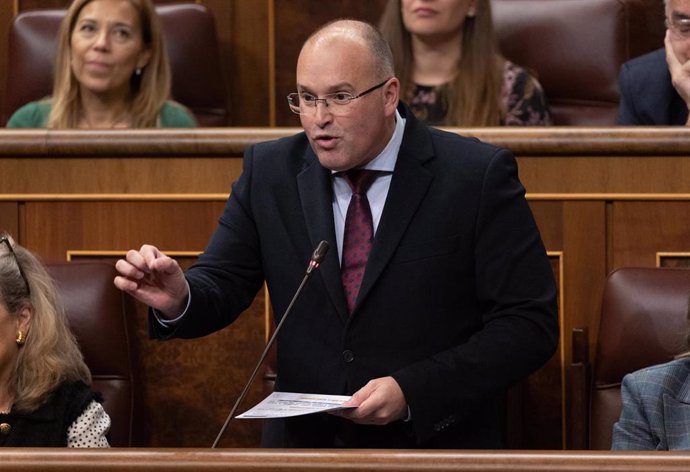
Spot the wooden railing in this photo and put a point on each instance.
(252, 460)
(224, 142)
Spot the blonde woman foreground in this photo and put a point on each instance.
(45, 398)
(111, 71)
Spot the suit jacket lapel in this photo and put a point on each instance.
(410, 182)
(315, 191)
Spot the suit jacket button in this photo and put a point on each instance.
(348, 356)
(5, 428)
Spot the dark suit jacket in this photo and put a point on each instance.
(647, 96)
(458, 300)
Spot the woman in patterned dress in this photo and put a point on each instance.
(447, 59)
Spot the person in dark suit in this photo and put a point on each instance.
(457, 300)
(655, 87)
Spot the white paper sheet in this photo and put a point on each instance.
(285, 404)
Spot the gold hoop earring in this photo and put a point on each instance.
(21, 338)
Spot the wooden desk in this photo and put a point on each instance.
(277, 460)
(603, 198)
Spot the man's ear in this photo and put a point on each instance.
(391, 95)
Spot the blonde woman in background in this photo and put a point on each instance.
(45, 398)
(111, 71)
(447, 58)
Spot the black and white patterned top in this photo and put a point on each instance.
(90, 428)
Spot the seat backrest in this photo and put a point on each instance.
(643, 322)
(100, 315)
(576, 48)
(190, 36)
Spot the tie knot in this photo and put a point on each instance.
(360, 180)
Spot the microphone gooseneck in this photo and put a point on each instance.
(314, 263)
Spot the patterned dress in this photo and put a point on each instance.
(522, 97)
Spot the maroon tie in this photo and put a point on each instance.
(359, 233)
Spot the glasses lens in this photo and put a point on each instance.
(679, 26)
(293, 102)
(340, 98)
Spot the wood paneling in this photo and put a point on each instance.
(545, 397)
(117, 175)
(245, 49)
(602, 199)
(9, 218)
(642, 229)
(7, 12)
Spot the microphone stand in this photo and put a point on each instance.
(314, 262)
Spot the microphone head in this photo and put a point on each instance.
(317, 256)
(320, 252)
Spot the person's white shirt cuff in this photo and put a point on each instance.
(409, 415)
(172, 322)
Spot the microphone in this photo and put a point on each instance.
(314, 263)
(316, 259)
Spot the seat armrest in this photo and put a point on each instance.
(580, 378)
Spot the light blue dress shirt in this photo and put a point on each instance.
(378, 191)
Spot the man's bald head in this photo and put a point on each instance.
(357, 31)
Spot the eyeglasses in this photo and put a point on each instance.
(305, 103)
(680, 26)
(6, 240)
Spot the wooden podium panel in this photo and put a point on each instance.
(602, 198)
(652, 233)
